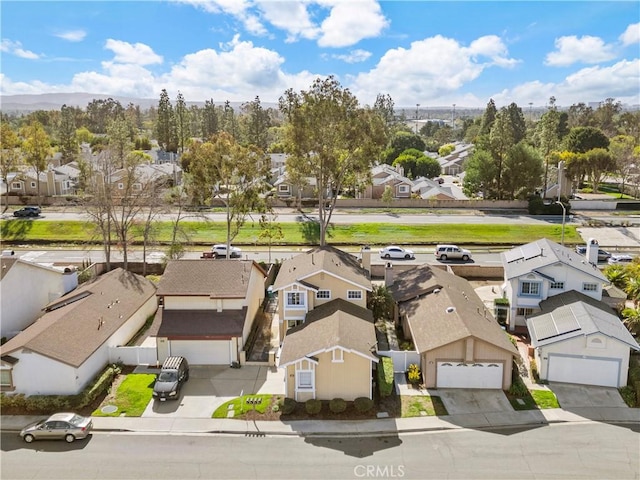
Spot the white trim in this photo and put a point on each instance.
(296, 284)
(354, 298)
(337, 358)
(364, 287)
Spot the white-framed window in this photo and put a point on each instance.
(6, 379)
(305, 379)
(283, 188)
(337, 355)
(403, 188)
(557, 286)
(33, 185)
(16, 186)
(354, 294)
(295, 299)
(323, 294)
(293, 323)
(120, 186)
(524, 312)
(530, 289)
(589, 287)
(137, 186)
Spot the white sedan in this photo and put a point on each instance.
(393, 251)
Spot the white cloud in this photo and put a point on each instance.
(137, 53)
(354, 56)
(15, 48)
(72, 35)
(430, 70)
(292, 17)
(350, 22)
(586, 49)
(631, 35)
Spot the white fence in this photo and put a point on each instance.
(401, 359)
(133, 355)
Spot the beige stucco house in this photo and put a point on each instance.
(459, 342)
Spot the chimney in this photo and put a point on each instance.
(366, 258)
(388, 274)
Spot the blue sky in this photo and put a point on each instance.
(420, 52)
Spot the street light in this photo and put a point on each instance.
(564, 214)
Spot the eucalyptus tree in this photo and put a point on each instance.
(501, 140)
(37, 148)
(10, 155)
(165, 124)
(68, 143)
(210, 121)
(329, 137)
(257, 123)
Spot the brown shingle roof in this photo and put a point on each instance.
(70, 333)
(335, 323)
(442, 308)
(328, 259)
(201, 324)
(215, 278)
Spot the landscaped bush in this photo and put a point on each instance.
(363, 404)
(288, 406)
(385, 376)
(629, 395)
(313, 406)
(414, 375)
(337, 405)
(535, 374)
(518, 388)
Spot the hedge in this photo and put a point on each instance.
(337, 405)
(385, 376)
(363, 404)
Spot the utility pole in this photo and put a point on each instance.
(417, 107)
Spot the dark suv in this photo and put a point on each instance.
(27, 212)
(174, 372)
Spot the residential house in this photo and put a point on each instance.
(69, 344)
(50, 183)
(459, 342)
(426, 188)
(207, 309)
(286, 188)
(453, 164)
(578, 339)
(332, 354)
(383, 176)
(543, 269)
(26, 288)
(316, 277)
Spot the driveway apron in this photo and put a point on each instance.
(464, 401)
(576, 396)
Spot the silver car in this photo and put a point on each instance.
(59, 426)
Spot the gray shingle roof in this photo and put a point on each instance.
(328, 259)
(572, 314)
(541, 253)
(335, 323)
(215, 278)
(70, 333)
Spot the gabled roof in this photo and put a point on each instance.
(338, 323)
(573, 314)
(206, 277)
(542, 253)
(78, 323)
(383, 174)
(7, 263)
(322, 259)
(442, 308)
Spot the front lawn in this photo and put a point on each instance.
(422, 405)
(534, 400)
(131, 396)
(240, 406)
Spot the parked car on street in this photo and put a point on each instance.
(27, 212)
(603, 255)
(59, 426)
(451, 252)
(220, 251)
(393, 251)
(617, 259)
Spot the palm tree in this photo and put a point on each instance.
(632, 288)
(617, 275)
(631, 318)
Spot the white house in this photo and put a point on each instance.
(542, 269)
(69, 345)
(580, 340)
(26, 287)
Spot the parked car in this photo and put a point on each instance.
(603, 255)
(156, 257)
(220, 251)
(27, 212)
(620, 259)
(174, 372)
(451, 252)
(393, 251)
(59, 426)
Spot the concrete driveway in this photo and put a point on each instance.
(577, 396)
(463, 401)
(211, 386)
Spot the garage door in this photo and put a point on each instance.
(587, 371)
(203, 352)
(470, 375)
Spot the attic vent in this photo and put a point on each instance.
(437, 290)
(451, 309)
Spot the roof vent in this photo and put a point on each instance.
(437, 290)
(451, 309)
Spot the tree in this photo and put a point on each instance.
(165, 126)
(605, 115)
(580, 115)
(416, 164)
(387, 196)
(257, 121)
(182, 122)
(385, 107)
(119, 140)
(329, 137)
(583, 139)
(517, 122)
(380, 302)
(480, 175)
(522, 171)
(501, 140)
(67, 140)
(99, 112)
(400, 142)
(547, 140)
(621, 148)
(597, 163)
(270, 230)
(229, 119)
(210, 124)
(10, 156)
(488, 117)
(37, 148)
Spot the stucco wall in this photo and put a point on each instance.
(35, 374)
(348, 380)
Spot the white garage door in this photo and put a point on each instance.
(476, 375)
(203, 352)
(586, 371)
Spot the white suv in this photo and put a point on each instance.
(220, 251)
(451, 252)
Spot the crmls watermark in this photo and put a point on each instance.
(379, 471)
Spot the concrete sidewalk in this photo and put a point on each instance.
(385, 426)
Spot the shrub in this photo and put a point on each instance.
(518, 388)
(275, 408)
(413, 374)
(629, 395)
(385, 376)
(363, 404)
(313, 406)
(288, 406)
(337, 405)
(535, 374)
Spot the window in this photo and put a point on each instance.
(293, 323)
(354, 294)
(531, 289)
(305, 379)
(337, 356)
(33, 184)
(524, 312)
(295, 299)
(137, 186)
(5, 378)
(557, 286)
(589, 287)
(323, 294)
(16, 186)
(403, 188)
(121, 186)
(283, 188)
